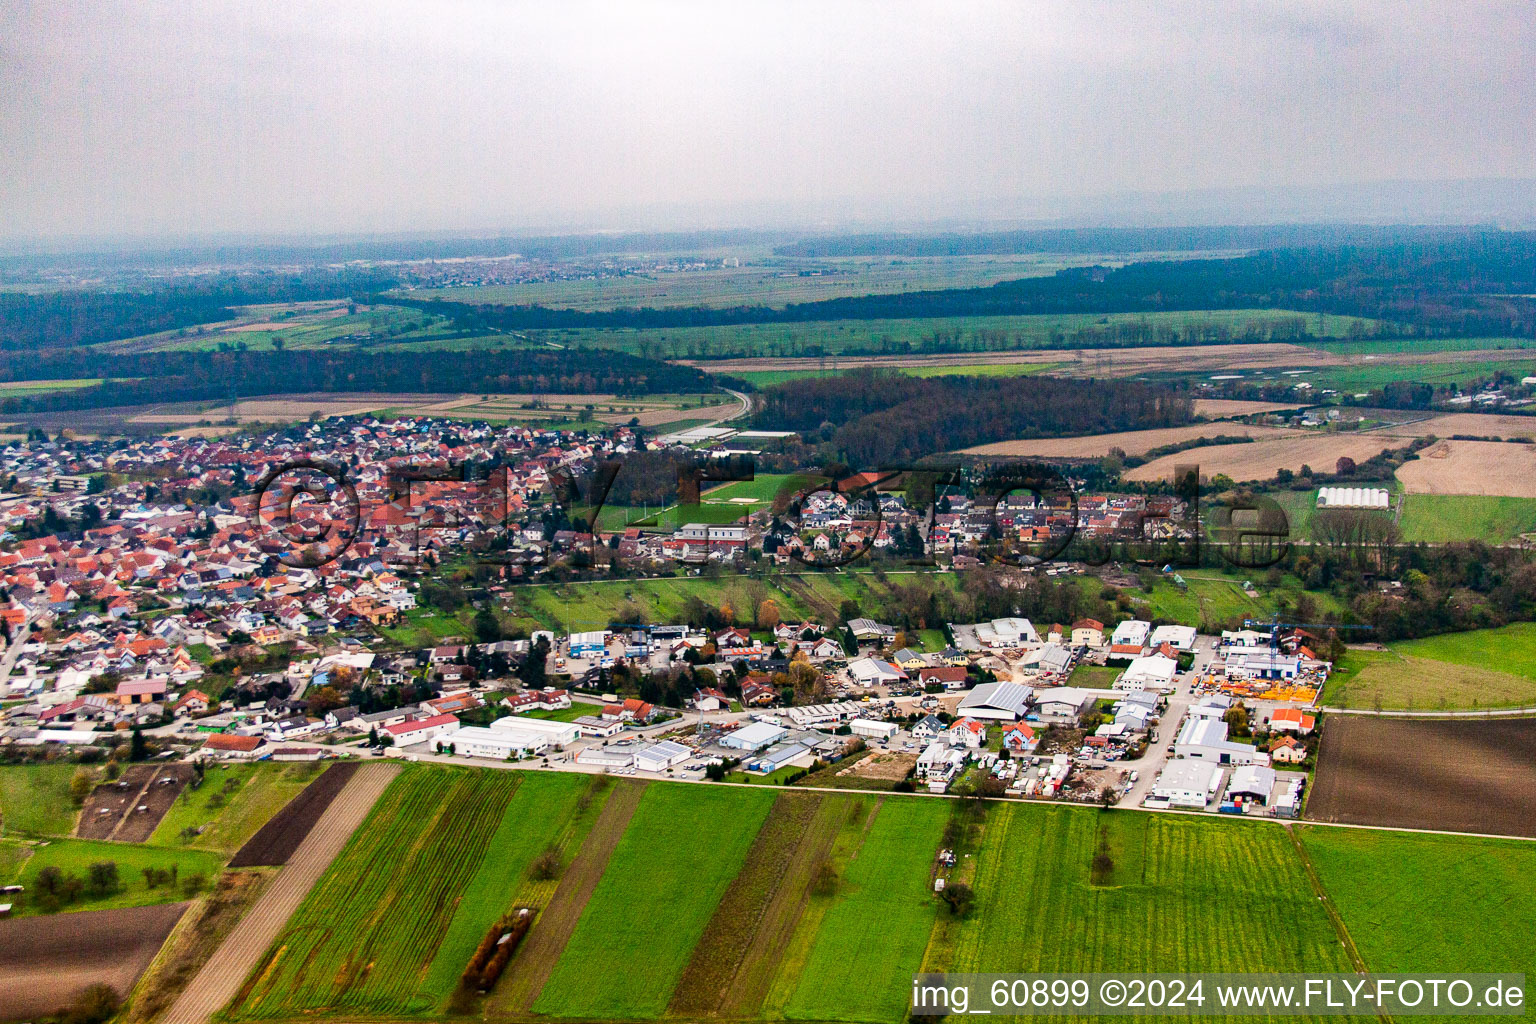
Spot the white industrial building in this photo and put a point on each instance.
(776, 757)
(497, 744)
(754, 737)
(586, 645)
(1262, 663)
(1190, 784)
(1212, 705)
(816, 716)
(1154, 672)
(874, 672)
(661, 756)
(1205, 739)
(607, 757)
(869, 728)
(1353, 497)
(1062, 704)
(1013, 632)
(1129, 640)
(560, 734)
(1005, 702)
(1252, 782)
(1180, 638)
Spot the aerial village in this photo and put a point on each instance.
(150, 592)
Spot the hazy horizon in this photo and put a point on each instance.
(152, 120)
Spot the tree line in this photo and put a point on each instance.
(870, 416)
(1455, 283)
(72, 317)
(202, 376)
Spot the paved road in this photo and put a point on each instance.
(1168, 726)
(221, 977)
(12, 651)
(746, 407)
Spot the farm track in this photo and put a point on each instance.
(535, 961)
(221, 978)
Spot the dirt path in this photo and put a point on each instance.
(221, 977)
(1350, 950)
(532, 965)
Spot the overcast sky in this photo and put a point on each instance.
(153, 117)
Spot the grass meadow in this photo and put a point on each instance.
(35, 800)
(195, 870)
(231, 804)
(1447, 672)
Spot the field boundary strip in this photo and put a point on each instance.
(221, 977)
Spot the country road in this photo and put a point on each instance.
(1485, 713)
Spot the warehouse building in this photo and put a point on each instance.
(754, 737)
(1002, 702)
(616, 756)
(661, 756)
(819, 716)
(1205, 739)
(1188, 784)
(560, 734)
(1154, 672)
(1251, 782)
(871, 729)
(496, 744)
(774, 758)
(590, 644)
(1062, 704)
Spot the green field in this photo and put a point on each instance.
(1365, 347)
(761, 280)
(1452, 517)
(800, 596)
(848, 974)
(533, 820)
(24, 388)
(231, 804)
(980, 368)
(194, 870)
(681, 851)
(718, 504)
(1212, 602)
(35, 800)
(918, 335)
(300, 326)
(1469, 906)
(1450, 671)
(760, 905)
(1181, 895)
(364, 939)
